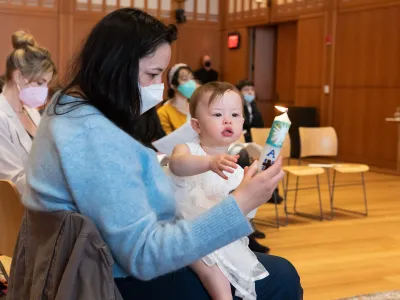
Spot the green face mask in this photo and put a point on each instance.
(187, 88)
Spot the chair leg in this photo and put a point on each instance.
(285, 191)
(320, 201)
(277, 221)
(365, 213)
(365, 194)
(275, 194)
(295, 194)
(303, 214)
(330, 195)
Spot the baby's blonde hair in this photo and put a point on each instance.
(31, 59)
(213, 90)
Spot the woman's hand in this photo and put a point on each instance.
(223, 162)
(255, 189)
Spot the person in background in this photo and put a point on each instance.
(252, 115)
(86, 159)
(206, 73)
(175, 112)
(252, 119)
(29, 70)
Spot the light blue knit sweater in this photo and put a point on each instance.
(81, 161)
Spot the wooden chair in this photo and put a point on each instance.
(5, 267)
(259, 136)
(323, 141)
(11, 213)
(308, 148)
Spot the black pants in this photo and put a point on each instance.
(283, 283)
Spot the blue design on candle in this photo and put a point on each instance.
(278, 132)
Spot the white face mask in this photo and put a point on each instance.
(151, 95)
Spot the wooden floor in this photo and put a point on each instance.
(350, 255)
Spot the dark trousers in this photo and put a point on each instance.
(283, 283)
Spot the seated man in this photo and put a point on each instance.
(252, 115)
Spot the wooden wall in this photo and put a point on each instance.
(350, 46)
(264, 70)
(195, 41)
(41, 21)
(62, 25)
(235, 63)
(286, 61)
(310, 37)
(367, 81)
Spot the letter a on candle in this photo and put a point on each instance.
(272, 152)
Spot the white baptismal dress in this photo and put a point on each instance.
(196, 194)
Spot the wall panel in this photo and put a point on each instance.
(367, 84)
(235, 62)
(43, 26)
(62, 25)
(194, 42)
(310, 38)
(286, 57)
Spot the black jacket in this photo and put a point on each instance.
(256, 122)
(205, 76)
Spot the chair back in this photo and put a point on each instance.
(318, 141)
(260, 135)
(11, 214)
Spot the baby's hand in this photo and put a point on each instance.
(223, 162)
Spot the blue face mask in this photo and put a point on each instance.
(249, 98)
(187, 88)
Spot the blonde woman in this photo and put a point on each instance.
(24, 88)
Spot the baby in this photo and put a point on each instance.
(204, 174)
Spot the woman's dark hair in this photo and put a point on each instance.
(106, 72)
(174, 80)
(2, 82)
(148, 128)
(242, 83)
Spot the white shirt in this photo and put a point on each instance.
(15, 143)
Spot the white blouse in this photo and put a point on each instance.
(15, 143)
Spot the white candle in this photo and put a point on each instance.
(275, 140)
(273, 145)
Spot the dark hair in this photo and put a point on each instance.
(174, 80)
(213, 90)
(2, 82)
(242, 83)
(148, 128)
(105, 74)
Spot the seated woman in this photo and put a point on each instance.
(86, 159)
(29, 70)
(175, 112)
